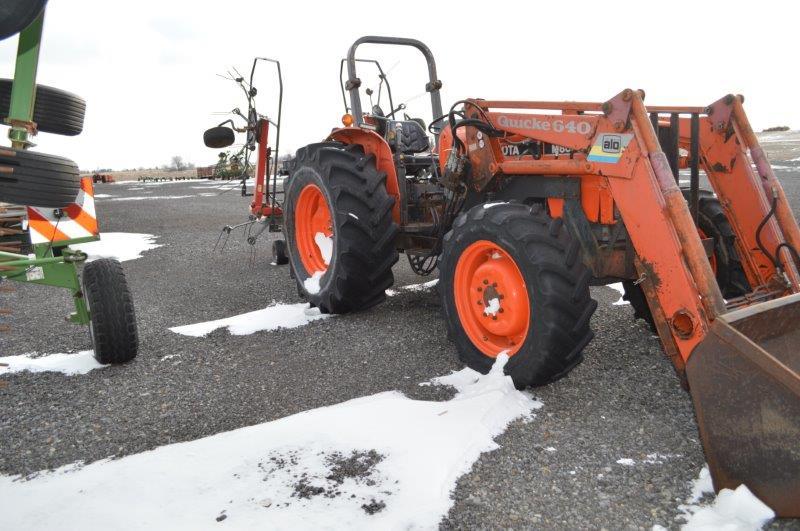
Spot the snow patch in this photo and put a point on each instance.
(650, 459)
(143, 197)
(162, 183)
(731, 510)
(269, 318)
(658, 459)
(493, 307)
(312, 283)
(102, 196)
(69, 364)
(120, 245)
(618, 287)
(405, 457)
(325, 245)
(702, 485)
(412, 287)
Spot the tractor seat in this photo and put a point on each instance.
(407, 136)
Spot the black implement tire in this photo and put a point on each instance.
(279, 256)
(218, 137)
(113, 321)
(364, 233)
(55, 111)
(730, 274)
(555, 280)
(35, 179)
(16, 15)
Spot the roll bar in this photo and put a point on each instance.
(353, 82)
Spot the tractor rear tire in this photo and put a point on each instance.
(729, 271)
(539, 286)
(113, 321)
(55, 111)
(337, 199)
(34, 179)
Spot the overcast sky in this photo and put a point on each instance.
(148, 69)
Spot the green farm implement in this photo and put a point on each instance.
(45, 206)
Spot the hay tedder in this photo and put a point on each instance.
(522, 205)
(265, 212)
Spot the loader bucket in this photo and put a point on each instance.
(744, 379)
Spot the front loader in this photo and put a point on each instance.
(523, 205)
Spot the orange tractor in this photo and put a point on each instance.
(522, 205)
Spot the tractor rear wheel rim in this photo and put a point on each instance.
(313, 225)
(491, 299)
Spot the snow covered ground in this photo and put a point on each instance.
(148, 197)
(120, 245)
(412, 287)
(69, 364)
(379, 462)
(617, 286)
(269, 318)
(730, 510)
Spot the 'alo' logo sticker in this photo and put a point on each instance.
(609, 147)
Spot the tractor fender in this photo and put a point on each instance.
(374, 144)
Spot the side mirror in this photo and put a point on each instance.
(218, 137)
(16, 15)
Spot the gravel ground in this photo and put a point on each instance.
(624, 401)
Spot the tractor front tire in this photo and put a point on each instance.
(512, 282)
(339, 228)
(113, 320)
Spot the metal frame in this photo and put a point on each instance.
(353, 82)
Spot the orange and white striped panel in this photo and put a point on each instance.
(77, 220)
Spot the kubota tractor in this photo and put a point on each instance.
(523, 205)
